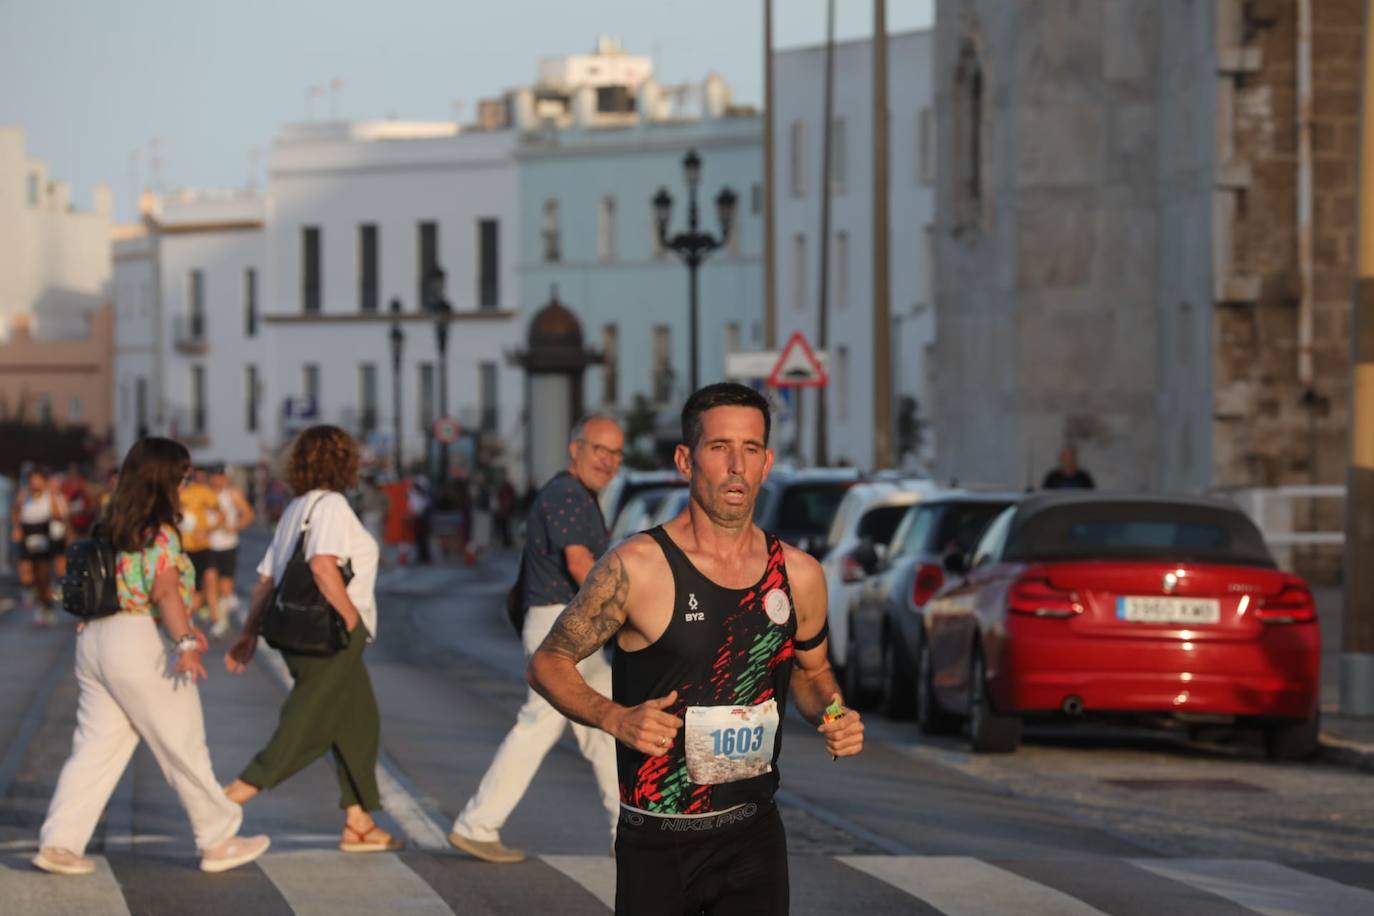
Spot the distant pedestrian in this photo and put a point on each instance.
(38, 528)
(331, 706)
(235, 514)
(420, 503)
(1068, 475)
(505, 510)
(81, 502)
(565, 534)
(133, 687)
(200, 516)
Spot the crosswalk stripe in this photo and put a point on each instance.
(34, 893)
(963, 886)
(1265, 887)
(318, 882)
(595, 873)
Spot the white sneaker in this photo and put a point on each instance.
(233, 852)
(58, 861)
(221, 627)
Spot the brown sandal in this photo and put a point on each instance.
(373, 839)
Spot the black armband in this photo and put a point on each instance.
(806, 645)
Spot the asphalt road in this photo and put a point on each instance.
(1080, 821)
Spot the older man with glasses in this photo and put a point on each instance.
(565, 535)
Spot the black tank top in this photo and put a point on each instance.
(722, 647)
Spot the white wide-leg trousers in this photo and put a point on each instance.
(537, 728)
(128, 692)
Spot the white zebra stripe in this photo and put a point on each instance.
(962, 886)
(318, 882)
(1265, 887)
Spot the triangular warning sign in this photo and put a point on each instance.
(797, 366)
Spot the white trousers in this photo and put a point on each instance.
(128, 692)
(537, 728)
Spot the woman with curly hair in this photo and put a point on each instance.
(331, 705)
(133, 686)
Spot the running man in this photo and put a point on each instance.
(235, 514)
(715, 622)
(200, 516)
(37, 526)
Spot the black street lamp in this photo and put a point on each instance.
(398, 342)
(442, 311)
(693, 245)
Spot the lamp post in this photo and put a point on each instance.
(442, 311)
(693, 245)
(398, 342)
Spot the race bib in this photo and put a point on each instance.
(57, 529)
(730, 743)
(36, 543)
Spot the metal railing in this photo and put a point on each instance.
(1272, 509)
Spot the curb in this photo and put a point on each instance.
(1344, 752)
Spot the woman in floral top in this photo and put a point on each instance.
(134, 687)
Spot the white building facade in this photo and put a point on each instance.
(589, 231)
(54, 258)
(798, 125)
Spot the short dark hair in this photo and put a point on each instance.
(721, 394)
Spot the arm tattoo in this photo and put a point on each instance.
(595, 614)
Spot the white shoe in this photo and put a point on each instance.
(58, 861)
(233, 852)
(221, 626)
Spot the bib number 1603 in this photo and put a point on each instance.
(736, 742)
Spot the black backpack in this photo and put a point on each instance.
(298, 619)
(89, 589)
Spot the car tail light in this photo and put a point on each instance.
(1038, 598)
(851, 570)
(1293, 604)
(927, 582)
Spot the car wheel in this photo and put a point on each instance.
(1292, 739)
(989, 731)
(898, 696)
(930, 717)
(855, 693)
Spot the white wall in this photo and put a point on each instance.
(799, 97)
(54, 258)
(634, 289)
(339, 179)
(133, 291)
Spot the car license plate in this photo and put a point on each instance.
(1149, 609)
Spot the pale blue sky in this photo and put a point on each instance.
(92, 81)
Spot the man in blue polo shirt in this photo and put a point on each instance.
(565, 536)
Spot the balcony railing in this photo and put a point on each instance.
(188, 333)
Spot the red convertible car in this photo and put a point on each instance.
(1086, 603)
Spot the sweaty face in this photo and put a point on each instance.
(596, 455)
(729, 463)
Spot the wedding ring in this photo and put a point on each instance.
(662, 741)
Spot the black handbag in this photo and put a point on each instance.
(298, 618)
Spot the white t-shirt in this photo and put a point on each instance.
(334, 530)
(225, 536)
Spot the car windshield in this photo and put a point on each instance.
(963, 524)
(877, 525)
(807, 509)
(1138, 530)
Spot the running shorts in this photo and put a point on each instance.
(733, 863)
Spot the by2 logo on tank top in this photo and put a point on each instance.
(728, 654)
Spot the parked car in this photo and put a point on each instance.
(799, 505)
(884, 618)
(1085, 603)
(866, 518)
(639, 510)
(670, 506)
(626, 484)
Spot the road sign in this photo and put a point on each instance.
(797, 366)
(759, 364)
(447, 430)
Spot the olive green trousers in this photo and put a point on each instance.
(331, 707)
